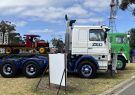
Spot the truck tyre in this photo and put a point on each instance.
(8, 69)
(8, 50)
(31, 69)
(86, 69)
(42, 50)
(121, 63)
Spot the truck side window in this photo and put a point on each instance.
(96, 35)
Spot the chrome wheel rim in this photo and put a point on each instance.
(7, 69)
(86, 70)
(30, 69)
(119, 64)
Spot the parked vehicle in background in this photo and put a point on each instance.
(31, 42)
(120, 45)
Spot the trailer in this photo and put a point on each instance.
(30, 65)
(31, 42)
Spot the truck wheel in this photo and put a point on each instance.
(8, 69)
(8, 50)
(121, 63)
(42, 50)
(31, 69)
(86, 69)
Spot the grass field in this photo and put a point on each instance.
(76, 85)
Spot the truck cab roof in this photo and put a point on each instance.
(117, 34)
(92, 27)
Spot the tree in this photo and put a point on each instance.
(6, 26)
(15, 38)
(132, 38)
(58, 43)
(126, 3)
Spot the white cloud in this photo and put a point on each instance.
(52, 10)
(33, 3)
(46, 31)
(53, 14)
(13, 10)
(90, 20)
(46, 14)
(49, 33)
(77, 10)
(37, 31)
(97, 5)
(20, 23)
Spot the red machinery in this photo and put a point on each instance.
(31, 42)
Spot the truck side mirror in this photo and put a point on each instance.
(107, 29)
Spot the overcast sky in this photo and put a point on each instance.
(46, 17)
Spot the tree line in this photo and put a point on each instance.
(8, 27)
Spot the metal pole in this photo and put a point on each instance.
(42, 76)
(61, 81)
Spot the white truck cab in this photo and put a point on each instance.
(88, 49)
(91, 40)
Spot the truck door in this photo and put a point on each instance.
(98, 47)
(28, 41)
(122, 45)
(96, 42)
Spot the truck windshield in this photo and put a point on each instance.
(121, 39)
(96, 35)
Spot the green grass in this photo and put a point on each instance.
(76, 85)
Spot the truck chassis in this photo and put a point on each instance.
(30, 65)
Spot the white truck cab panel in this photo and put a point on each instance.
(89, 40)
(82, 40)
